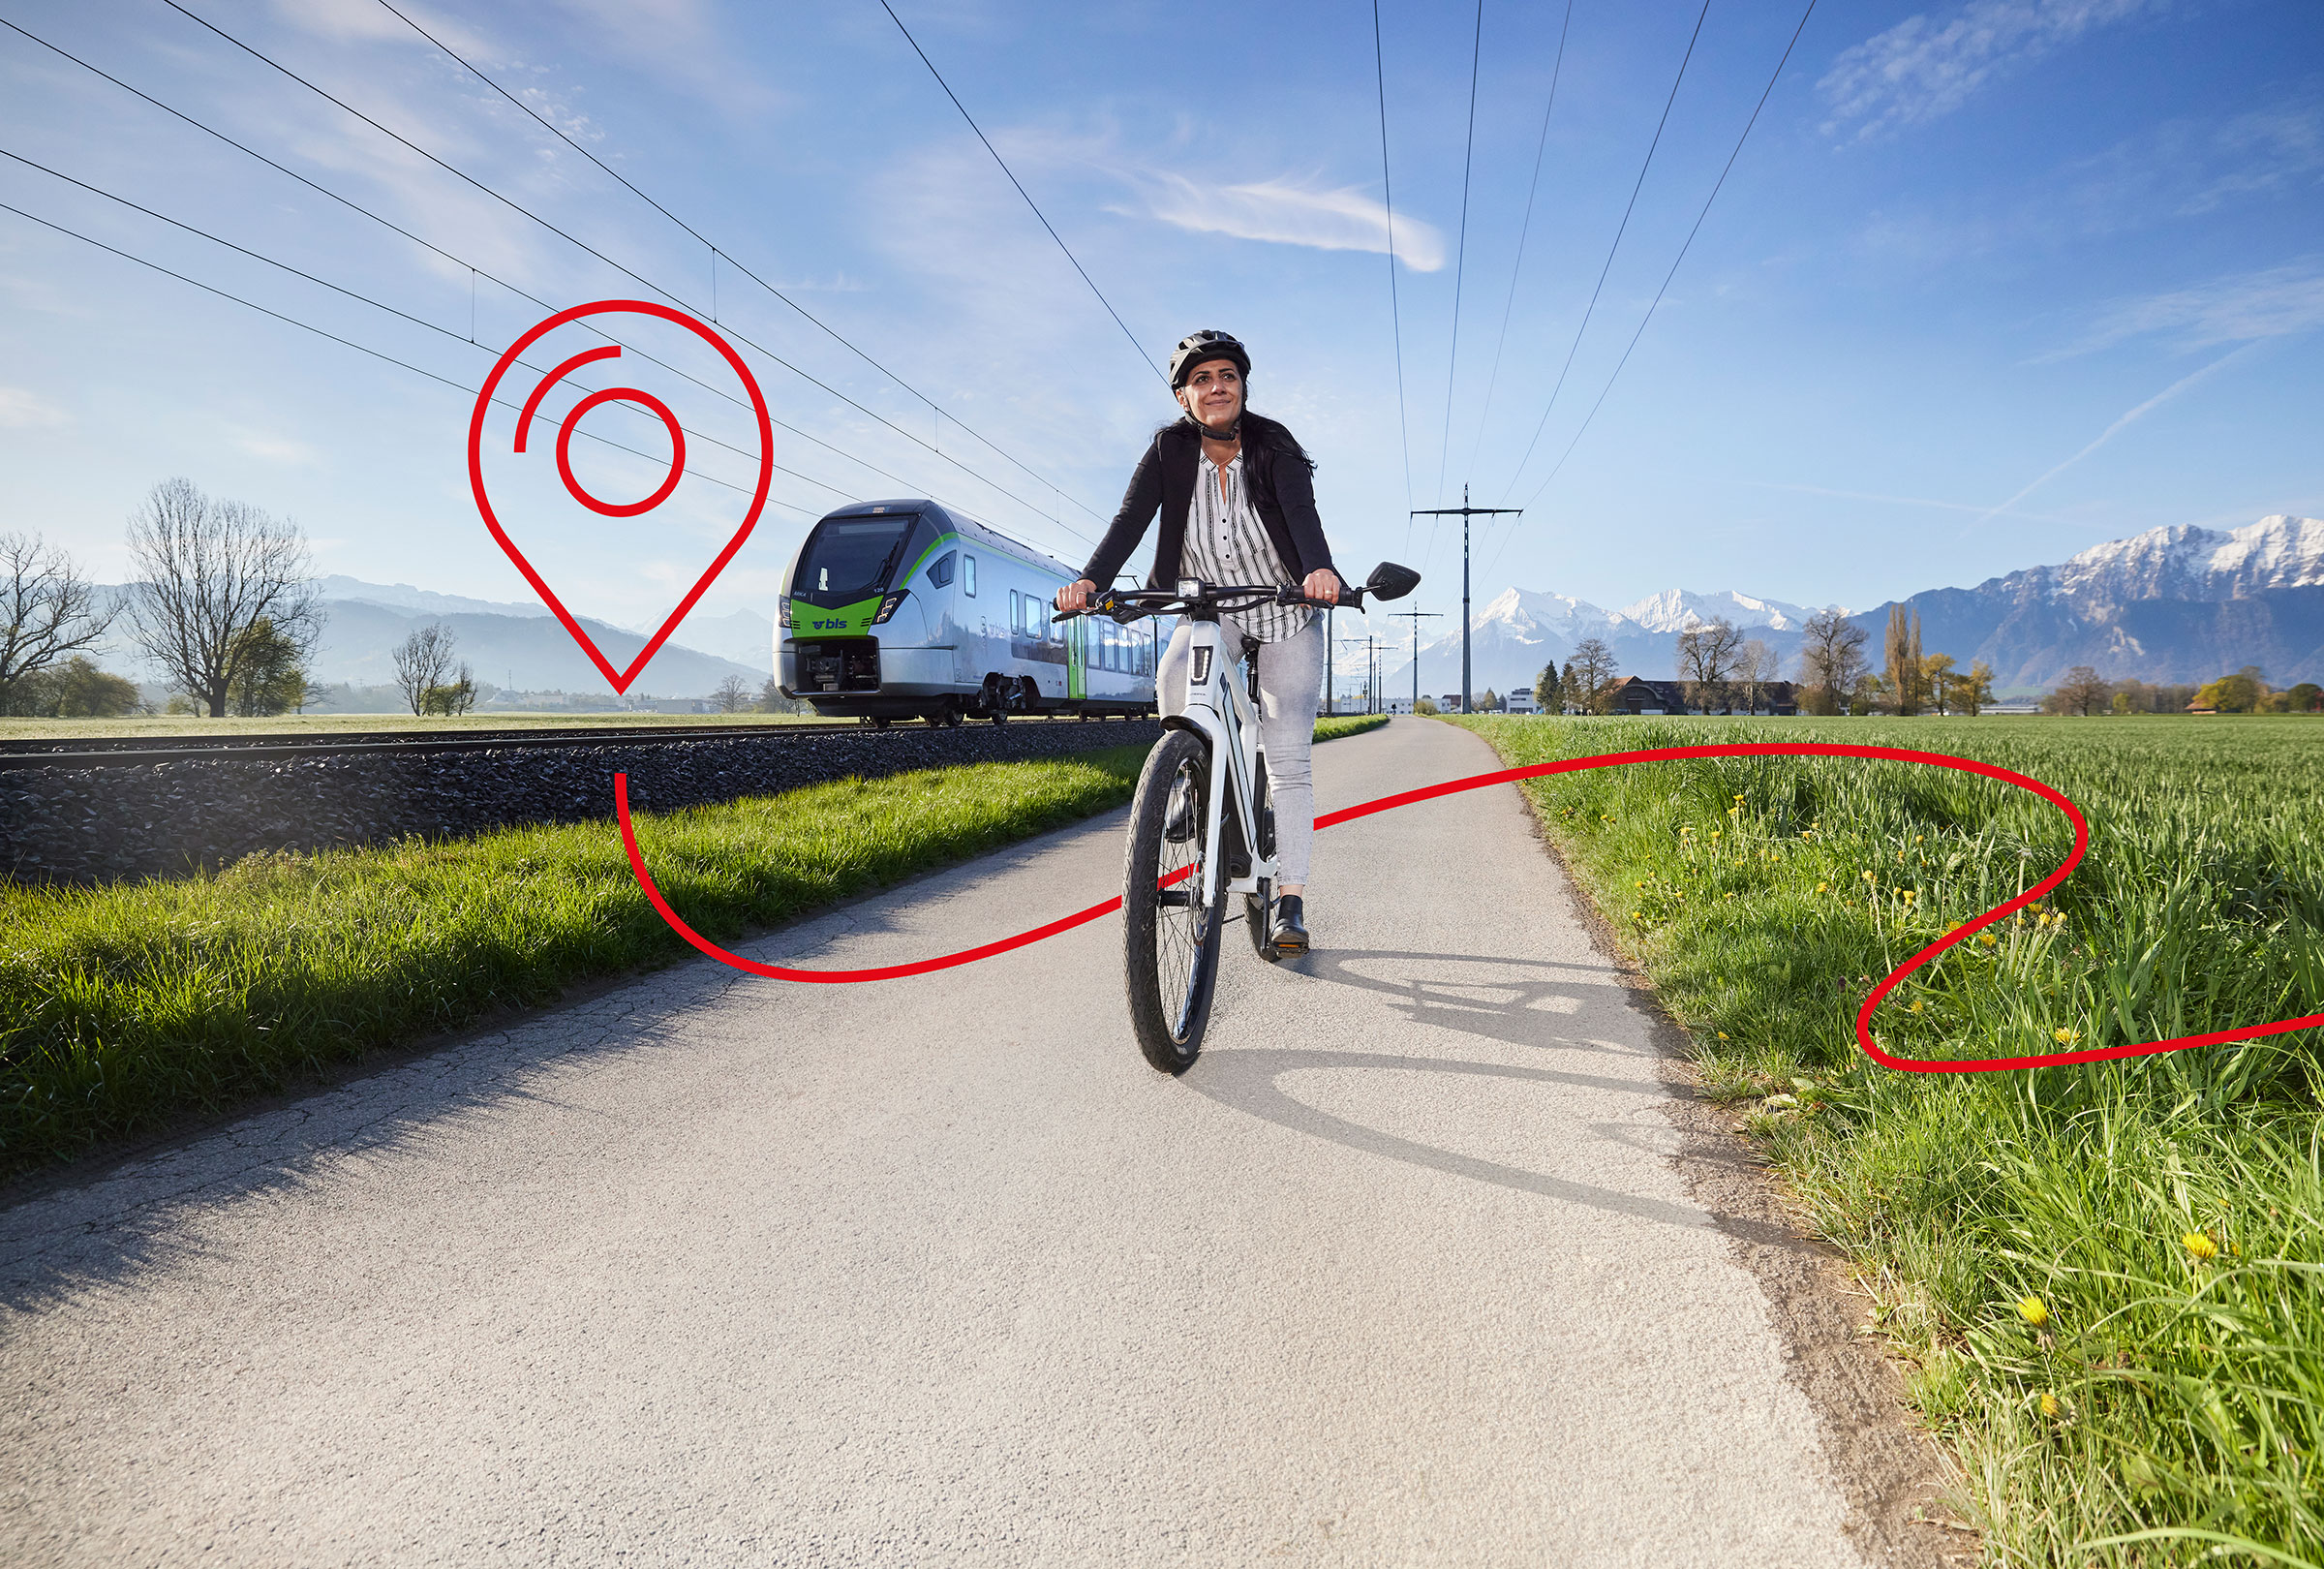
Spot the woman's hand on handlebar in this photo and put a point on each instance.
(1077, 596)
(1323, 584)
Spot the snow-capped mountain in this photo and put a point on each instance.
(2175, 604)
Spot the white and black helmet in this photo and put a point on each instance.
(1197, 347)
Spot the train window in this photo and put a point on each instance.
(939, 572)
(969, 576)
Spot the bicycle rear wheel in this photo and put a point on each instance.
(1170, 935)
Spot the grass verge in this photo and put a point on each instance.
(127, 1007)
(1345, 724)
(2109, 1277)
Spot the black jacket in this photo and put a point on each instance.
(1275, 477)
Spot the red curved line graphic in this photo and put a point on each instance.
(524, 421)
(1576, 765)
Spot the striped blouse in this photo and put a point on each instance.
(1227, 543)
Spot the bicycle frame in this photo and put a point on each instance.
(1218, 705)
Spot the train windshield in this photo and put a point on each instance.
(850, 558)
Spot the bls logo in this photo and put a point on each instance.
(485, 399)
(831, 626)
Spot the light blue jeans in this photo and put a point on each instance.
(1291, 677)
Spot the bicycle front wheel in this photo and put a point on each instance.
(1170, 934)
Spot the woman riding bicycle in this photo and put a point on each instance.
(1237, 505)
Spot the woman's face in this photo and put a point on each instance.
(1214, 393)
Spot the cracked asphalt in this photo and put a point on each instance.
(715, 1270)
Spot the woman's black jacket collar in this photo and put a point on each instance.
(1276, 477)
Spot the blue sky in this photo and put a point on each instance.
(1989, 282)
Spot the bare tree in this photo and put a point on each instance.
(1706, 658)
(732, 695)
(47, 610)
(2084, 690)
(1590, 674)
(421, 661)
(1831, 658)
(1757, 664)
(208, 572)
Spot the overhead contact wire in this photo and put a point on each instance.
(1395, 311)
(1460, 263)
(1135, 345)
(716, 254)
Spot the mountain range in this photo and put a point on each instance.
(2180, 603)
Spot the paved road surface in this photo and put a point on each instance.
(715, 1270)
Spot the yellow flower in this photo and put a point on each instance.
(1823, 887)
(2200, 1245)
(1641, 885)
(2064, 1036)
(2033, 1311)
(1739, 795)
(1715, 833)
(2049, 1403)
(1869, 877)
(1910, 896)
(1918, 838)
(1730, 896)
(1916, 1008)
(1988, 939)
(1722, 1035)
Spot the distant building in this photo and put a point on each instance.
(1520, 702)
(1399, 705)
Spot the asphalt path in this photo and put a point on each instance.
(716, 1270)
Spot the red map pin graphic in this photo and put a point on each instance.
(618, 679)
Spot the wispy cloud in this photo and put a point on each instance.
(1923, 70)
(1286, 212)
(2242, 307)
(21, 410)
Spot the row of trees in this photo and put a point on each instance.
(223, 605)
(2085, 691)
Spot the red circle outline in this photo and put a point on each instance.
(565, 442)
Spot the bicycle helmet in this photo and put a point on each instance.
(1208, 344)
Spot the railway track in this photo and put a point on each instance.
(90, 753)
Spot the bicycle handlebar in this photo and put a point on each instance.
(1126, 605)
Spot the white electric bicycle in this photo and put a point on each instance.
(1197, 832)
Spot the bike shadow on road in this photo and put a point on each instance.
(1538, 1002)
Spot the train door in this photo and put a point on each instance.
(1076, 657)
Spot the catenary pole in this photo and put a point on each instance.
(1464, 511)
(1416, 617)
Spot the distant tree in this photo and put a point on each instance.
(47, 610)
(1426, 707)
(1902, 669)
(1973, 691)
(1937, 671)
(2237, 694)
(1757, 664)
(1545, 689)
(2306, 697)
(1590, 678)
(270, 675)
(1707, 658)
(1831, 659)
(1489, 704)
(2083, 691)
(1866, 696)
(73, 689)
(451, 697)
(732, 695)
(1568, 691)
(208, 572)
(421, 661)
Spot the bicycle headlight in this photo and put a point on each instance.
(887, 607)
(1190, 588)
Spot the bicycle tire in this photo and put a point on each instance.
(1170, 938)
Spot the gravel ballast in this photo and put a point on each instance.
(131, 820)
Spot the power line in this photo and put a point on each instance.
(1460, 265)
(1619, 231)
(1395, 311)
(583, 245)
(1720, 184)
(349, 342)
(474, 270)
(1716, 187)
(716, 254)
(1022, 191)
(1524, 230)
(382, 305)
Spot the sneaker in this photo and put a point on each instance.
(1290, 934)
(1178, 825)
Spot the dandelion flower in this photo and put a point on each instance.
(1910, 896)
(1918, 838)
(2200, 1245)
(1916, 1008)
(1988, 939)
(1730, 896)
(1823, 887)
(2049, 1403)
(2034, 1310)
(1869, 877)
(2064, 1036)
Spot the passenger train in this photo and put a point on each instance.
(900, 609)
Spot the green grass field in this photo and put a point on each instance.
(2109, 1277)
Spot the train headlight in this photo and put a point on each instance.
(888, 606)
(782, 613)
